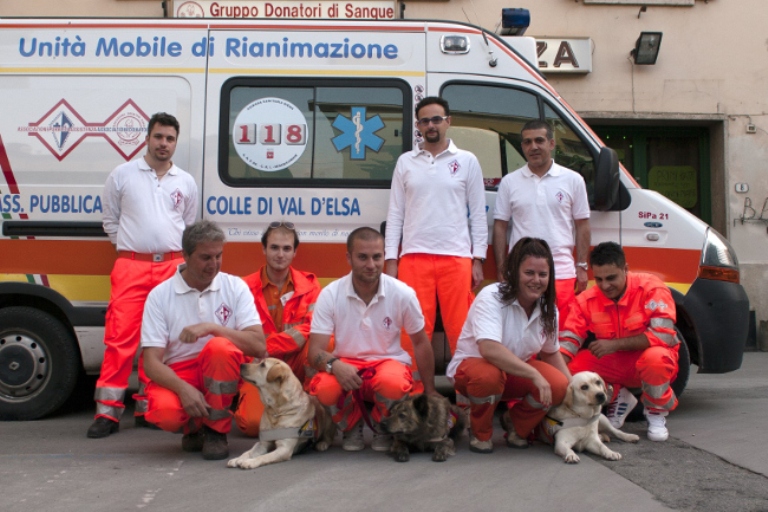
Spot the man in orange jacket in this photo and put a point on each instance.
(632, 316)
(285, 298)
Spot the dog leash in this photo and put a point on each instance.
(357, 396)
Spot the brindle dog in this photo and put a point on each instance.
(424, 423)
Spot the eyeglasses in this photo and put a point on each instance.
(424, 121)
(277, 224)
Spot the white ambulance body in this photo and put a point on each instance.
(295, 121)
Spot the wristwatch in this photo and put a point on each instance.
(329, 364)
(582, 265)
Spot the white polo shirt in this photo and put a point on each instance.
(145, 215)
(429, 202)
(369, 332)
(545, 208)
(508, 324)
(173, 305)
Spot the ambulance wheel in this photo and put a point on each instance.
(39, 363)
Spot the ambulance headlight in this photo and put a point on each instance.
(718, 260)
(454, 44)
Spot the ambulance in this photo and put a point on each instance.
(300, 121)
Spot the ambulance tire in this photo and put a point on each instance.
(39, 364)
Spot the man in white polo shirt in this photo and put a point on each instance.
(365, 312)
(545, 200)
(433, 188)
(147, 204)
(197, 330)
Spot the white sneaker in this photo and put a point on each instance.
(381, 442)
(657, 425)
(619, 409)
(353, 439)
(478, 446)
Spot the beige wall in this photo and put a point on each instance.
(712, 69)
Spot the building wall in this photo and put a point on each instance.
(712, 70)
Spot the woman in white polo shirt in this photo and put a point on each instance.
(508, 348)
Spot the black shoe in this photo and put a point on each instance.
(193, 442)
(214, 445)
(141, 422)
(102, 427)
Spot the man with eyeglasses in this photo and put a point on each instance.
(147, 204)
(434, 187)
(285, 299)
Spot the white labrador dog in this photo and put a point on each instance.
(291, 417)
(577, 423)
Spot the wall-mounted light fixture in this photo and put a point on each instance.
(646, 49)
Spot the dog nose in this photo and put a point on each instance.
(600, 397)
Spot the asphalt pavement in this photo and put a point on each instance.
(714, 460)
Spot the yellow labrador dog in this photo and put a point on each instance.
(291, 417)
(578, 424)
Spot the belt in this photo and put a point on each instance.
(156, 257)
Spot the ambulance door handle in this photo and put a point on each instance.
(652, 237)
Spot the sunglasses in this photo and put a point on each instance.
(277, 224)
(424, 121)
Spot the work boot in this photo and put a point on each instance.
(193, 442)
(478, 446)
(657, 425)
(215, 445)
(352, 440)
(102, 427)
(381, 442)
(141, 422)
(513, 440)
(619, 409)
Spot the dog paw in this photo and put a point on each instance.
(322, 446)
(571, 458)
(249, 464)
(631, 438)
(609, 455)
(402, 457)
(439, 457)
(234, 463)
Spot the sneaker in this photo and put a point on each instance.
(478, 446)
(353, 439)
(193, 442)
(657, 425)
(619, 409)
(515, 441)
(381, 442)
(215, 445)
(102, 427)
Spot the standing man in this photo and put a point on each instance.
(632, 316)
(285, 298)
(198, 328)
(548, 201)
(433, 188)
(365, 312)
(147, 204)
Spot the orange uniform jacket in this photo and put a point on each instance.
(646, 308)
(297, 318)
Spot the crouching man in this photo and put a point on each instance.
(365, 312)
(197, 330)
(632, 315)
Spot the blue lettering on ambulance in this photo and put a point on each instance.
(242, 47)
(65, 203)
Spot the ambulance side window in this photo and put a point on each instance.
(296, 132)
(570, 151)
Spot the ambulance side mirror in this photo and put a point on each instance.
(606, 180)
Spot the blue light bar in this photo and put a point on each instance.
(514, 21)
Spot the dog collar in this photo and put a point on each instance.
(552, 426)
(307, 430)
(451, 422)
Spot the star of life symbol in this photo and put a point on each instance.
(224, 313)
(177, 197)
(653, 305)
(454, 167)
(387, 322)
(62, 129)
(358, 133)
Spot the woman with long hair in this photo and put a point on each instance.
(508, 349)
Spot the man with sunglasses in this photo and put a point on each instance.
(433, 188)
(285, 298)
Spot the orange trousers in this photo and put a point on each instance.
(565, 294)
(486, 386)
(131, 281)
(443, 279)
(216, 373)
(384, 382)
(652, 369)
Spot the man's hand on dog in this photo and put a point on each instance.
(347, 376)
(193, 402)
(600, 348)
(545, 390)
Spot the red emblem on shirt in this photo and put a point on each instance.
(177, 197)
(454, 167)
(387, 322)
(560, 196)
(224, 313)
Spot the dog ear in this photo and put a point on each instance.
(277, 373)
(421, 404)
